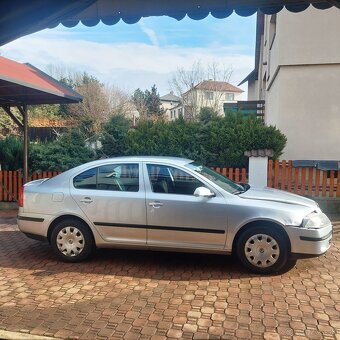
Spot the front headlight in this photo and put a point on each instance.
(315, 221)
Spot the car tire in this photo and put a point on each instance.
(72, 240)
(263, 250)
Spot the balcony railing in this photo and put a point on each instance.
(249, 107)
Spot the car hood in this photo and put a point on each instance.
(274, 195)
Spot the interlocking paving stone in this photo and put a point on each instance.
(146, 295)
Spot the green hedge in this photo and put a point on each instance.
(214, 141)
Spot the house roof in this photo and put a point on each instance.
(253, 75)
(25, 84)
(213, 85)
(170, 97)
(22, 17)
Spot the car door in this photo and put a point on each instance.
(112, 196)
(175, 217)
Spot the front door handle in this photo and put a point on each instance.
(156, 204)
(86, 200)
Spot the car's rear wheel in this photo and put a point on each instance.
(71, 240)
(263, 250)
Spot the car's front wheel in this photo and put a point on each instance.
(71, 240)
(263, 250)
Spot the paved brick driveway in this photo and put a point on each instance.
(131, 295)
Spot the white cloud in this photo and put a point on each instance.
(149, 32)
(129, 65)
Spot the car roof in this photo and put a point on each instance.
(173, 160)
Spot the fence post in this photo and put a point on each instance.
(270, 174)
(5, 185)
(1, 197)
(337, 185)
(283, 175)
(258, 167)
(230, 173)
(317, 182)
(289, 176)
(237, 175)
(276, 174)
(331, 184)
(310, 181)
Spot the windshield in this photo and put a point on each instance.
(220, 180)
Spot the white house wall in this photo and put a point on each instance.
(310, 37)
(219, 99)
(311, 119)
(252, 90)
(301, 87)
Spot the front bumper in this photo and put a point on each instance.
(312, 242)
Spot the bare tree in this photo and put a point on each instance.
(100, 101)
(61, 71)
(121, 103)
(119, 100)
(185, 83)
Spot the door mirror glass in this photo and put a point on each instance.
(203, 192)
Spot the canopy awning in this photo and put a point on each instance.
(22, 17)
(25, 84)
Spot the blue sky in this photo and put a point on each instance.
(234, 30)
(139, 55)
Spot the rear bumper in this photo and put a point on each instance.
(36, 237)
(309, 242)
(34, 224)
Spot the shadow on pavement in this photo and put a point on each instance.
(17, 251)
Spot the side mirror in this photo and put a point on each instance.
(203, 192)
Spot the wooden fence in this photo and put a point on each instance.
(235, 174)
(281, 175)
(305, 181)
(11, 181)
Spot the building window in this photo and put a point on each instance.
(230, 96)
(209, 95)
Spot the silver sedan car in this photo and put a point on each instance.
(165, 203)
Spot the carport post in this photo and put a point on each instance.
(25, 117)
(24, 127)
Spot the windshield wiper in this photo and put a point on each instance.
(237, 192)
(245, 187)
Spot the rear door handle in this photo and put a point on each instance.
(86, 200)
(156, 204)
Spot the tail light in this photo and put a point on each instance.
(21, 197)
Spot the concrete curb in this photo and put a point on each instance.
(8, 205)
(23, 336)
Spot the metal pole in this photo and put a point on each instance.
(25, 114)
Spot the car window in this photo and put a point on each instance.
(86, 180)
(170, 180)
(113, 177)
